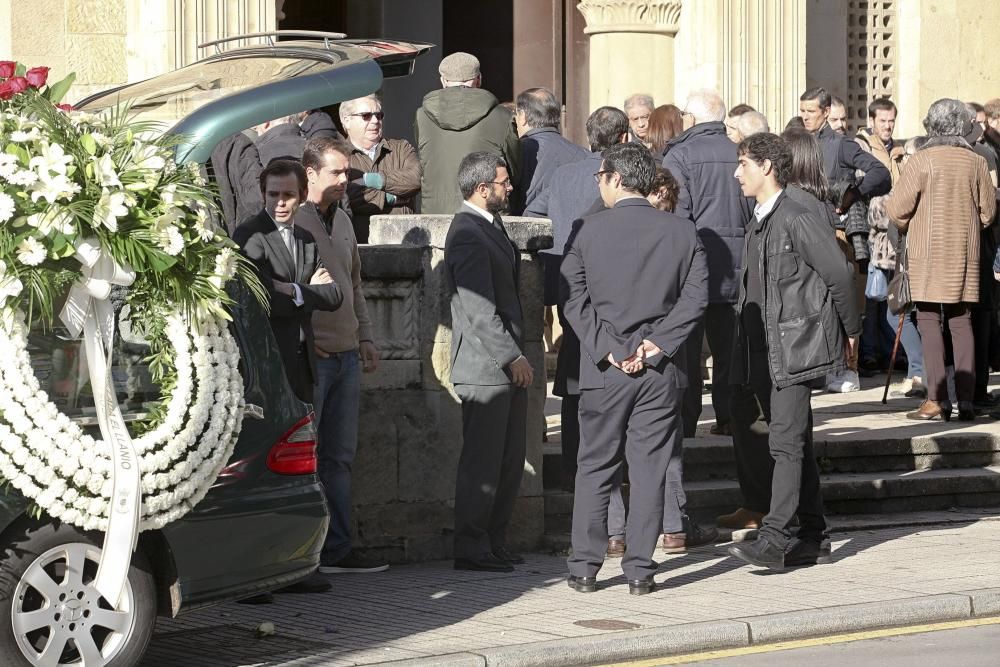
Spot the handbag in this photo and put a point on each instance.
(876, 285)
(898, 299)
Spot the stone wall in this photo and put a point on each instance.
(410, 434)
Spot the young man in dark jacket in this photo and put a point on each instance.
(702, 159)
(796, 312)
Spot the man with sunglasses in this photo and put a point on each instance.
(385, 173)
(489, 371)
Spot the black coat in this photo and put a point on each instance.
(809, 297)
(281, 142)
(543, 150)
(843, 157)
(616, 301)
(236, 165)
(703, 160)
(262, 244)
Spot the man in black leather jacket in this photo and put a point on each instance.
(796, 312)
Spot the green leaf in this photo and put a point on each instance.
(160, 261)
(20, 151)
(89, 144)
(57, 91)
(20, 69)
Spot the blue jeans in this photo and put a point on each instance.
(337, 401)
(909, 339)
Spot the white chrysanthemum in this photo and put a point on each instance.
(171, 240)
(23, 177)
(30, 252)
(225, 264)
(203, 224)
(7, 207)
(110, 207)
(102, 140)
(8, 164)
(22, 137)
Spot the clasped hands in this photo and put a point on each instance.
(636, 362)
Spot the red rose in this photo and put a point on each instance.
(64, 107)
(7, 68)
(37, 76)
(6, 92)
(18, 84)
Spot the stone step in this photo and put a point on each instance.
(711, 457)
(559, 541)
(843, 494)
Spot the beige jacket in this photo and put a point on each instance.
(943, 199)
(340, 330)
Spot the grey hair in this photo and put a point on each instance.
(948, 117)
(476, 168)
(639, 100)
(751, 123)
(351, 106)
(706, 106)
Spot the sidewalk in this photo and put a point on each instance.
(879, 578)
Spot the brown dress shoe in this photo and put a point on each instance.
(674, 543)
(616, 548)
(930, 411)
(741, 519)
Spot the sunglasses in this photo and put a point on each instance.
(368, 115)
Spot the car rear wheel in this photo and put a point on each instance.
(51, 614)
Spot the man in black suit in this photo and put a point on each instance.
(290, 269)
(488, 368)
(637, 289)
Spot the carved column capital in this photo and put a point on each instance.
(653, 16)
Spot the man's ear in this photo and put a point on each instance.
(766, 166)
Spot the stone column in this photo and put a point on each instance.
(631, 49)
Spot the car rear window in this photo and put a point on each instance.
(170, 97)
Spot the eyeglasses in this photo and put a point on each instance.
(597, 176)
(505, 182)
(368, 115)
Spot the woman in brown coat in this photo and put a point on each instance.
(942, 200)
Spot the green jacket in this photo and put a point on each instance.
(451, 123)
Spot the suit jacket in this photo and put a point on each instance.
(262, 244)
(482, 265)
(633, 273)
(543, 150)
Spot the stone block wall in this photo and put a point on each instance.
(410, 433)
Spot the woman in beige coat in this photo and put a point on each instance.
(942, 200)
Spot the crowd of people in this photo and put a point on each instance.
(785, 253)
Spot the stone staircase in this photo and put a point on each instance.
(878, 469)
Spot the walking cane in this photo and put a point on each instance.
(892, 358)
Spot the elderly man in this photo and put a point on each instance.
(731, 118)
(385, 173)
(455, 121)
(746, 125)
(639, 108)
(543, 149)
(703, 159)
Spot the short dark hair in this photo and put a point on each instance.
(819, 94)
(794, 122)
(837, 102)
(767, 146)
(663, 179)
(881, 104)
(284, 168)
(739, 110)
(540, 107)
(977, 107)
(634, 163)
(605, 127)
(317, 147)
(476, 168)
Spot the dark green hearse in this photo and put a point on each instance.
(262, 524)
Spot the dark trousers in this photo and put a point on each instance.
(301, 377)
(567, 386)
(982, 330)
(634, 419)
(718, 327)
(959, 320)
(754, 465)
(490, 466)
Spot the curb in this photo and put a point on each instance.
(725, 634)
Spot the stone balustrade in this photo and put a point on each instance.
(410, 433)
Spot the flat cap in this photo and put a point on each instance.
(459, 66)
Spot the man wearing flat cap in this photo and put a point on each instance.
(455, 121)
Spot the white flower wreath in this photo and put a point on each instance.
(70, 180)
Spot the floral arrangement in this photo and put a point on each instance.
(72, 181)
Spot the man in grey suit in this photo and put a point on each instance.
(488, 369)
(637, 289)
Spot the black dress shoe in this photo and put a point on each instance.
(486, 562)
(641, 586)
(582, 584)
(505, 554)
(808, 552)
(314, 583)
(760, 552)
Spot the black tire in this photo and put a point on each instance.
(24, 548)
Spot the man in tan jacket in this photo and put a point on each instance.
(343, 342)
